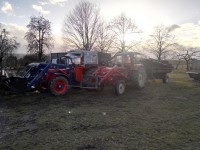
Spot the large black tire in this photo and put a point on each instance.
(59, 86)
(120, 87)
(165, 79)
(139, 78)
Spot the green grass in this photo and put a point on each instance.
(161, 116)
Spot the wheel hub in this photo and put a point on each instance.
(121, 88)
(60, 86)
(141, 79)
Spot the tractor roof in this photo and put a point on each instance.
(127, 53)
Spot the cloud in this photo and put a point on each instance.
(58, 2)
(53, 2)
(188, 34)
(22, 16)
(18, 32)
(40, 9)
(43, 3)
(6, 8)
(58, 44)
(173, 27)
(14, 26)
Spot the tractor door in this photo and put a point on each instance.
(65, 63)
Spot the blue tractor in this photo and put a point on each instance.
(57, 76)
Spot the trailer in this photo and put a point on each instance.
(194, 69)
(157, 69)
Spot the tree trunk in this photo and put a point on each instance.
(187, 64)
(1, 65)
(159, 58)
(177, 65)
(39, 56)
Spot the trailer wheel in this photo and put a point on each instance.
(139, 78)
(59, 86)
(120, 87)
(195, 78)
(165, 79)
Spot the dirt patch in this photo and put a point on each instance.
(161, 116)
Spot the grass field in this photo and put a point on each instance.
(161, 116)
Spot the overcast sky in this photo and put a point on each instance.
(15, 14)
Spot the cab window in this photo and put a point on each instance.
(127, 59)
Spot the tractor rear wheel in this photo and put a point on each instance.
(59, 86)
(139, 78)
(120, 87)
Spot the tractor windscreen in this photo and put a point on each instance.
(65, 61)
(117, 60)
(76, 58)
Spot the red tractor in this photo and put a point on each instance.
(128, 68)
(125, 68)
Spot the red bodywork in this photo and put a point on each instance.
(51, 73)
(108, 75)
(77, 72)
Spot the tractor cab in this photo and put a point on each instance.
(76, 57)
(85, 62)
(123, 59)
(84, 58)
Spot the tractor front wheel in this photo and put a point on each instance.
(59, 86)
(120, 87)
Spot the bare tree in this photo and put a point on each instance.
(105, 38)
(187, 54)
(123, 27)
(39, 36)
(177, 57)
(11, 61)
(7, 45)
(81, 26)
(28, 58)
(161, 42)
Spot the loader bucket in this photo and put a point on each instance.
(15, 84)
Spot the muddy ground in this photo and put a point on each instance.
(161, 116)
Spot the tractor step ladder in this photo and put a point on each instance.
(89, 82)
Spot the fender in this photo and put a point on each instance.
(53, 75)
(60, 74)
